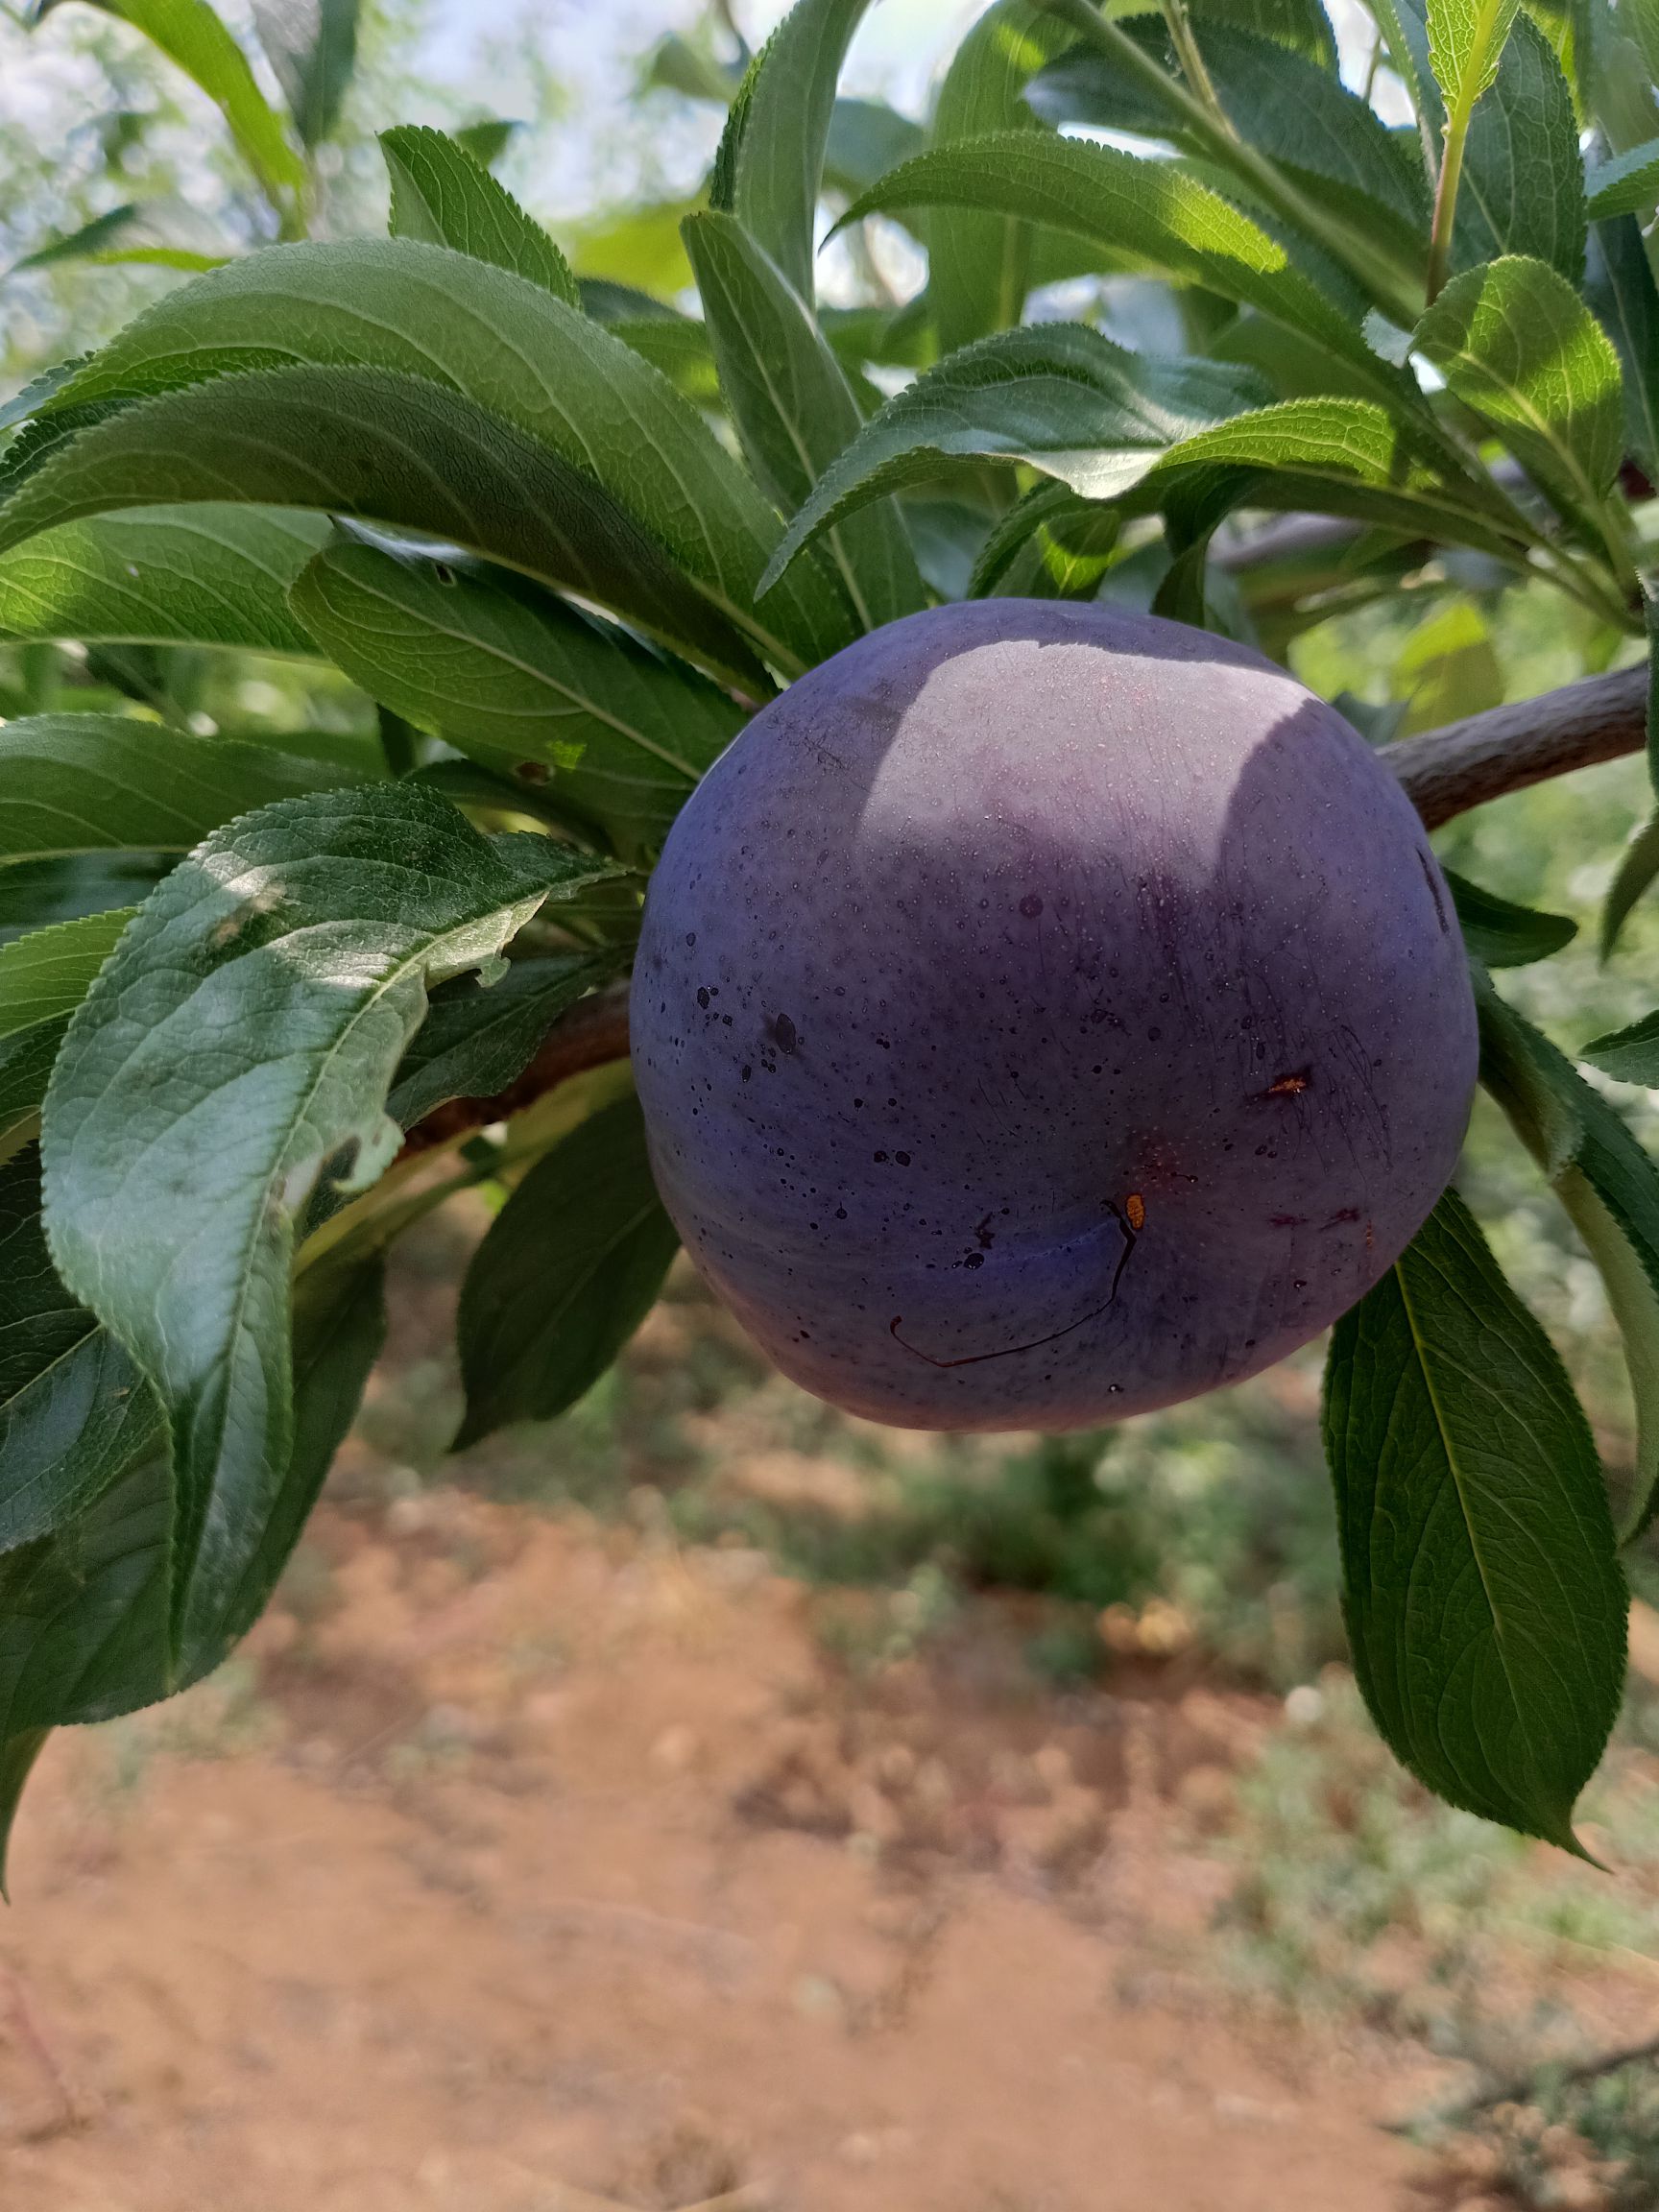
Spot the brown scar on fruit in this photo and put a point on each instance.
(1130, 1229)
(1135, 1208)
(1289, 1086)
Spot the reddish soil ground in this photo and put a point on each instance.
(528, 1866)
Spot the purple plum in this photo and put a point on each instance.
(1045, 1013)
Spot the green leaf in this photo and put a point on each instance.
(1050, 544)
(1055, 395)
(478, 1038)
(442, 195)
(1609, 1189)
(1621, 290)
(72, 783)
(312, 45)
(1290, 110)
(486, 141)
(36, 894)
(1480, 1584)
(297, 943)
(484, 333)
(191, 35)
(186, 575)
(1149, 210)
(1301, 25)
(1466, 40)
(866, 139)
(91, 238)
(1522, 188)
(1632, 1054)
(1502, 934)
(43, 977)
(569, 1268)
(980, 263)
(393, 449)
(610, 733)
(1626, 186)
(1517, 347)
(793, 408)
(74, 1410)
(84, 1613)
(771, 165)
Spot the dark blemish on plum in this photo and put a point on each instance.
(1423, 862)
(982, 1235)
(784, 1030)
(1030, 906)
(1153, 1035)
(1009, 1350)
(878, 1156)
(1347, 1214)
(1297, 1284)
(702, 999)
(974, 1260)
(690, 936)
(840, 1213)
(902, 1158)
(748, 1073)
(1289, 1220)
(531, 771)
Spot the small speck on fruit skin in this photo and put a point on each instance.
(1090, 1010)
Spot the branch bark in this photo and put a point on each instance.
(1464, 765)
(1445, 772)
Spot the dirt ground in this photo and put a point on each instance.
(530, 1865)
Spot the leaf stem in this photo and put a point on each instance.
(1445, 198)
(1195, 68)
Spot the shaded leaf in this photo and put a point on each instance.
(1609, 1189)
(866, 139)
(72, 783)
(43, 977)
(36, 894)
(1522, 188)
(980, 263)
(1480, 1585)
(478, 1038)
(84, 1613)
(1150, 210)
(393, 449)
(1055, 395)
(442, 195)
(300, 940)
(74, 1410)
(1628, 184)
(580, 714)
(1291, 109)
(188, 575)
(794, 409)
(569, 1268)
(468, 327)
(1619, 287)
(1502, 934)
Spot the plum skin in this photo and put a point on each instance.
(1045, 1013)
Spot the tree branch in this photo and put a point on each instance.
(1464, 765)
(1445, 772)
